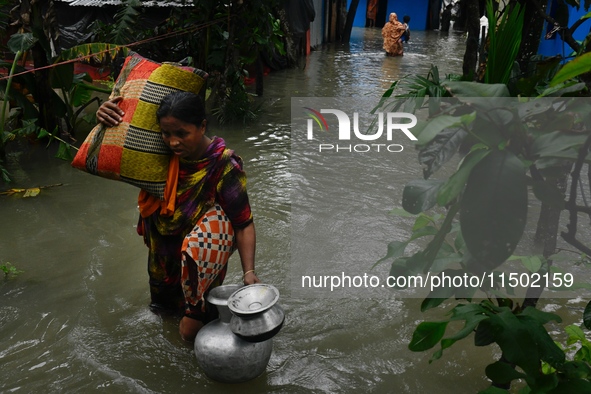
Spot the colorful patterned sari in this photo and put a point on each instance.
(217, 178)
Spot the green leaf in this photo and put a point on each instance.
(442, 263)
(436, 356)
(572, 386)
(576, 370)
(438, 243)
(62, 76)
(395, 250)
(575, 334)
(485, 333)
(476, 89)
(465, 311)
(558, 158)
(430, 302)
(420, 195)
(81, 95)
(401, 212)
(21, 42)
(563, 89)
(487, 132)
(445, 343)
(43, 133)
(494, 209)
(98, 51)
(423, 232)
(584, 353)
(442, 292)
(587, 316)
(440, 123)
(493, 390)
(442, 148)
(551, 143)
(64, 152)
(421, 221)
(516, 342)
(471, 324)
(579, 65)
(455, 184)
(504, 42)
(427, 335)
(502, 373)
(532, 263)
(547, 348)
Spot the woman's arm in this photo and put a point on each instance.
(246, 243)
(109, 112)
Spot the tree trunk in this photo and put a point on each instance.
(43, 98)
(546, 236)
(532, 28)
(349, 23)
(460, 24)
(473, 29)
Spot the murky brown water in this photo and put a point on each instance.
(77, 321)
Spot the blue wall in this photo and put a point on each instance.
(359, 20)
(417, 10)
(555, 45)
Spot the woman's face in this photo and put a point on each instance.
(186, 140)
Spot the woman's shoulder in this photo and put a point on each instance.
(228, 155)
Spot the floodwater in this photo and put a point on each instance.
(76, 320)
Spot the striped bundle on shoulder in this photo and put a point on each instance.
(134, 151)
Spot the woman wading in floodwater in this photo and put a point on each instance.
(391, 33)
(189, 249)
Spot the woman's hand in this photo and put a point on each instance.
(250, 278)
(109, 112)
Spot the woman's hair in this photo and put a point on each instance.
(185, 106)
(406, 19)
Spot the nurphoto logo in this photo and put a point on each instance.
(395, 124)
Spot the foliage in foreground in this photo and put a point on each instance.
(516, 153)
(9, 270)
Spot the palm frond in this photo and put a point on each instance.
(125, 21)
(99, 52)
(504, 41)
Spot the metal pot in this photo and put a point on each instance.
(256, 314)
(221, 354)
(253, 299)
(260, 326)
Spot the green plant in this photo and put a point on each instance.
(9, 270)
(18, 44)
(238, 106)
(578, 347)
(123, 30)
(75, 95)
(514, 149)
(76, 90)
(504, 42)
(65, 150)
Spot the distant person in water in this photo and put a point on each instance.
(372, 10)
(446, 18)
(406, 36)
(391, 33)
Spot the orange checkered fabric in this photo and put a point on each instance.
(205, 254)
